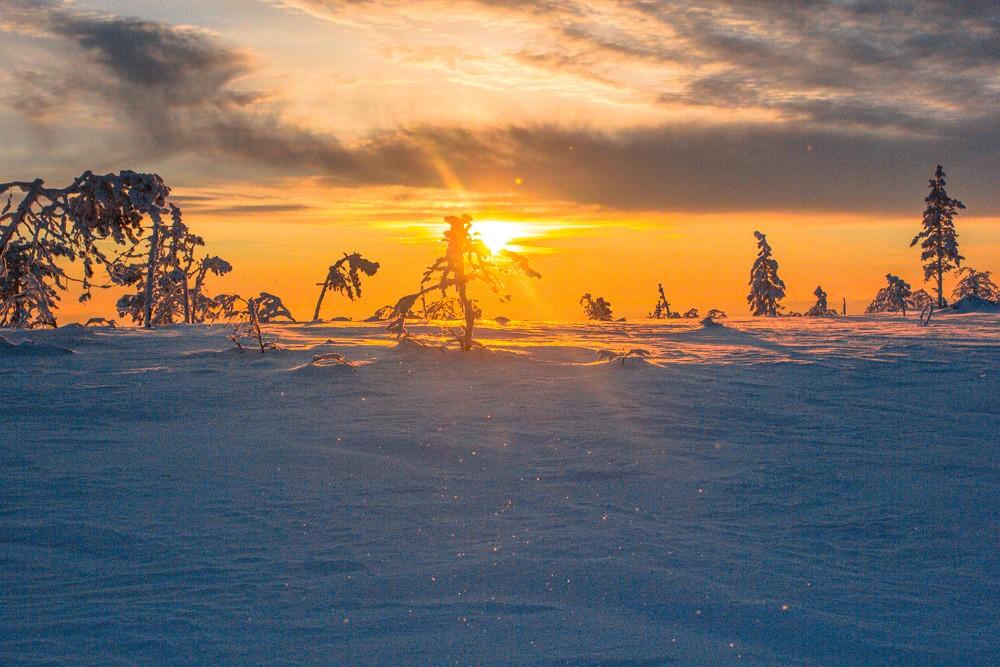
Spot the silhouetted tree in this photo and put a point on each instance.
(976, 283)
(821, 307)
(766, 288)
(596, 309)
(939, 240)
(716, 314)
(690, 314)
(891, 298)
(466, 259)
(449, 308)
(662, 309)
(344, 276)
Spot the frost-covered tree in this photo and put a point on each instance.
(466, 260)
(919, 300)
(939, 241)
(202, 307)
(449, 308)
(271, 308)
(662, 309)
(344, 276)
(177, 289)
(976, 283)
(48, 229)
(766, 288)
(596, 308)
(821, 307)
(892, 298)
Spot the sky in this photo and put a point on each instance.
(623, 142)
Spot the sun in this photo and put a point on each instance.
(498, 234)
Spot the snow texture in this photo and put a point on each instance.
(767, 491)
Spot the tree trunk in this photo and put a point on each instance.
(940, 286)
(470, 317)
(187, 301)
(154, 251)
(319, 302)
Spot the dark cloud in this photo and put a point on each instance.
(710, 168)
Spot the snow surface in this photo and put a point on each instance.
(792, 491)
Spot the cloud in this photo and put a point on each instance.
(862, 100)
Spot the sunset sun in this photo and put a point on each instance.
(498, 235)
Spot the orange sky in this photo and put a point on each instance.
(638, 142)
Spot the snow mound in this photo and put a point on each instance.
(974, 304)
(30, 348)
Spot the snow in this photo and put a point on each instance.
(769, 491)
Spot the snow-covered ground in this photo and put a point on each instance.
(790, 491)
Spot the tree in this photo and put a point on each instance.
(270, 308)
(716, 314)
(892, 298)
(820, 308)
(344, 276)
(466, 259)
(171, 263)
(766, 288)
(662, 309)
(939, 244)
(449, 308)
(976, 283)
(596, 309)
(52, 227)
(919, 300)
(203, 307)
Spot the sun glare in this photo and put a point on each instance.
(497, 234)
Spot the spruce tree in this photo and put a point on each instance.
(939, 240)
(892, 298)
(766, 288)
(821, 307)
(976, 283)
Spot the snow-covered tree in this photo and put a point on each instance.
(716, 314)
(177, 290)
(766, 288)
(939, 241)
(204, 308)
(919, 300)
(662, 309)
(448, 308)
(596, 309)
(344, 276)
(466, 259)
(271, 308)
(690, 314)
(821, 307)
(892, 298)
(49, 229)
(976, 283)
